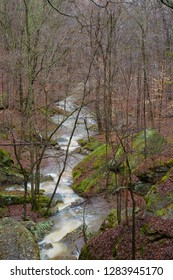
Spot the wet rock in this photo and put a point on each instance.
(46, 178)
(62, 139)
(28, 224)
(58, 198)
(77, 202)
(10, 176)
(82, 151)
(141, 188)
(38, 229)
(16, 242)
(72, 236)
(48, 246)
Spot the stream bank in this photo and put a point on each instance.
(65, 237)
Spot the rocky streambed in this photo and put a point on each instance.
(62, 235)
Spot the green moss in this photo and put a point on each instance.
(171, 207)
(53, 142)
(85, 253)
(9, 173)
(86, 185)
(165, 178)
(161, 212)
(5, 159)
(155, 141)
(82, 142)
(90, 173)
(152, 200)
(119, 154)
(170, 163)
(142, 250)
(43, 199)
(110, 221)
(14, 197)
(3, 136)
(46, 178)
(100, 156)
(90, 145)
(48, 111)
(95, 168)
(158, 201)
(41, 229)
(144, 229)
(76, 172)
(93, 127)
(115, 250)
(7, 198)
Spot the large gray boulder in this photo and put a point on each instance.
(16, 242)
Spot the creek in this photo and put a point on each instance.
(64, 242)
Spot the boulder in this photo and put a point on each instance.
(160, 198)
(16, 242)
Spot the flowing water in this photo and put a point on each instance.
(70, 217)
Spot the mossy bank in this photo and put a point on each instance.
(99, 170)
(152, 175)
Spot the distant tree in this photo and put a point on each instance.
(32, 46)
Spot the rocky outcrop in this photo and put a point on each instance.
(152, 179)
(9, 174)
(154, 229)
(160, 198)
(16, 242)
(96, 172)
(91, 173)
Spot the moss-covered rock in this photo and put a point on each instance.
(90, 145)
(11, 198)
(91, 173)
(98, 169)
(154, 234)
(145, 169)
(110, 221)
(17, 197)
(85, 253)
(39, 230)
(9, 174)
(151, 170)
(155, 143)
(5, 159)
(46, 178)
(160, 198)
(16, 242)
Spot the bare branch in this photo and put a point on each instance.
(167, 3)
(100, 6)
(64, 14)
(59, 12)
